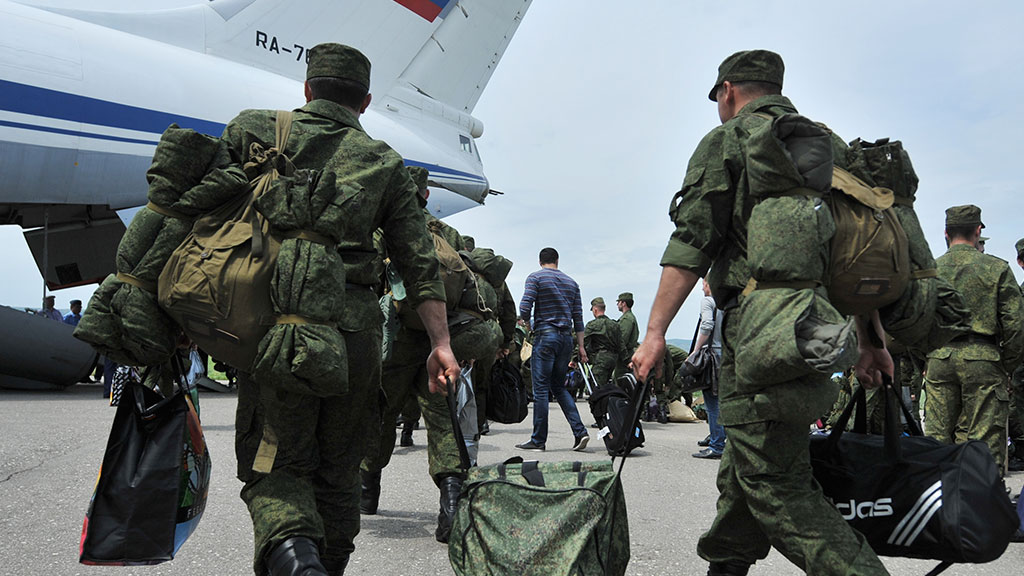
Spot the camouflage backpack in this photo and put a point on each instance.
(216, 284)
(454, 274)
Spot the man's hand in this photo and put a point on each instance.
(649, 356)
(873, 360)
(441, 364)
(583, 356)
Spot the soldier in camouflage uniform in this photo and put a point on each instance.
(602, 341)
(404, 378)
(967, 380)
(629, 331)
(767, 495)
(1016, 463)
(298, 456)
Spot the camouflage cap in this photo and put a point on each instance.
(750, 66)
(597, 302)
(1020, 248)
(984, 239)
(338, 61)
(470, 242)
(626, 296)
(966, 215)
(419, 176)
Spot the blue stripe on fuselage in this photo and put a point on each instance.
(43, 102)
(25, 99)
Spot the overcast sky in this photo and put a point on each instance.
(595, 108)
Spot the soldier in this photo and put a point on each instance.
(628, 330)
(967, 380)
(766, 464)
(404, 378)
(1016, 463)
(298, 456)
(602, 341)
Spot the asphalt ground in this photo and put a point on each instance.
(52, 443)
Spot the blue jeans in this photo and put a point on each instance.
(717, 431)
(549, 364)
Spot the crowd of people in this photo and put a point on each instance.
(311, 464)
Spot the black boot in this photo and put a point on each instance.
(298, 556)
(370, 496)
(450, 488)
(407, 428)
(336, 567)
(728, 569)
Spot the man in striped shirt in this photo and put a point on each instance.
(554, 299)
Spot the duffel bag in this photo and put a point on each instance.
(914, 496)
(541, 519)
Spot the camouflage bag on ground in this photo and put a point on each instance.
(541, 519)
(216, 284)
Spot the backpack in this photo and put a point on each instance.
(613, 406)
(507, 397)
(454, 274)
(870, 259)
(216, 284)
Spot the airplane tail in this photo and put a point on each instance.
(445, 49)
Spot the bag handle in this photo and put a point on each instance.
(893, 429)
(460, 441)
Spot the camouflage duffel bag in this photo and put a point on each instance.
(541, 519)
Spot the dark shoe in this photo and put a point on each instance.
(485, 429)
(298, 556)
(450, 488)
(370, 496)
(337, 567)
(529, 445)
(594, 425)
(708, 454)
(1018, 536)
(1015, 465)
(662, 416)
(581, 443)
(705, 442)
(728, 569)
(406, 439)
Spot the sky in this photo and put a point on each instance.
(596, 106)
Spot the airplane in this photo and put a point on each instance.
(88, 86)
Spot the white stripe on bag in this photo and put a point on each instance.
(926, 506)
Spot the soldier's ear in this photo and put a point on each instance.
(366, 102)
(308, 92)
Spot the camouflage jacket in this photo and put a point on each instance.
(993, 297)
(507, 316)
(450, 235)
(629, 331)
(712, 208)
(378, 194)
(602, 334)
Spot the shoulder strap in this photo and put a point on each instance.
(282, 129)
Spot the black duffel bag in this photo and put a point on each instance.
(914, 496)
(507, 397)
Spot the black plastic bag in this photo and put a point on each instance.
(153, 484)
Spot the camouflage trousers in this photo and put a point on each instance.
(481, 383)
(768, 498)
(602, 364)
(405, 376)
(969, 394)
(1016, 429)
(298, 457)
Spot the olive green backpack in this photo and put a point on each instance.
(216, 284)
(870, 262)
(454, 275)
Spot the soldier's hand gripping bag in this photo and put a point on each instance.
(541, 519)
(914, 496)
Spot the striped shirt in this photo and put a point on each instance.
(554, 299)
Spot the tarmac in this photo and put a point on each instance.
(52, 444)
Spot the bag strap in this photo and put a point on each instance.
(282, 130)
(892, 433)
(460, 441)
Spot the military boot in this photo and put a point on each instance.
(450, 488)
(370, 496)
(728, 569)
(298, 556)
(336, 567)
(407, 428)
